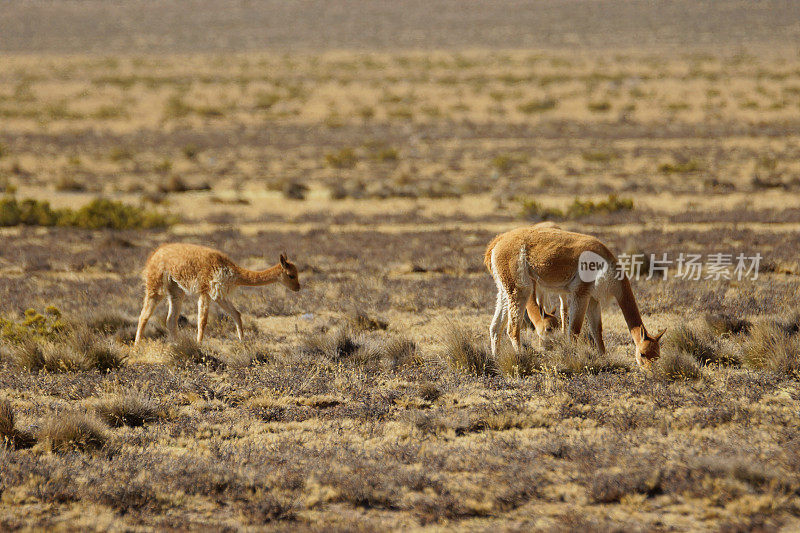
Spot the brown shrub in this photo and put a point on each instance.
(125, 410)
(69, 431)
(9, 434)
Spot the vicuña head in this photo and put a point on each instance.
(544, 323)
(648, 348)
(289, 274)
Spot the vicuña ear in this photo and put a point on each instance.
(283, 259)
(661, 334)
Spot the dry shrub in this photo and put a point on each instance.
(359, 320)
(700, 341)
(368, 350)
(109, 322)
(674, 365)
(464, 352)
(727, 325)
(263, 508)
(9, 434)
(337, 344)
(79, 350)
(429, 392)
(65, 432)
(96, 352)
(520, 364)
(577, 356)
(398, 352)
(295, 190)
(185, 352)
(126, 410)
(243, 354)
(773, 345)
(611, 487)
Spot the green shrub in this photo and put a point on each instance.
(692, 165)
(581, 208)
(537, 106)
(533, 210)
(344, 158)
(48, 326)
(102, 213)
(97, 214)
(599, 107)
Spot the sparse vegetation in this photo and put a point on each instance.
(344, 158)
(464, 352)
(537, 106)
(534, 211)
(97, 214)
(346, 406)
(71, 431)
(125, 410)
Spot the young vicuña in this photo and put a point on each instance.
(526, 258)
(176, 269)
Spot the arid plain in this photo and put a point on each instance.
(367, 400)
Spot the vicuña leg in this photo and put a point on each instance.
(499, 320)
(235, 315)
(202, 315)
(596, 325)
(563, 307)
(577, 311)
(149, 305)
(175, 301)
(516, 309)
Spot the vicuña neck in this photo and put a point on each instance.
(627, 303)
(257, 277)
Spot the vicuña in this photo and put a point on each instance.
(176, 269)
(577, 267)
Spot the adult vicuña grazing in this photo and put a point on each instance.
(524, 258)
(177, 269)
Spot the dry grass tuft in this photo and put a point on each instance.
(263, 508)
(773, 345)
(675, 365)
(578, 356)
(727, 325)
(126, 410)
(360, 321)
(429, 392)
(81, 349)
(520, 364)
(186, 351)
(699, 340)
(65, 432)
(464, 352)
(96, 352)
(398, 352)
(9, 434)
(611, 487)
(109, 322)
